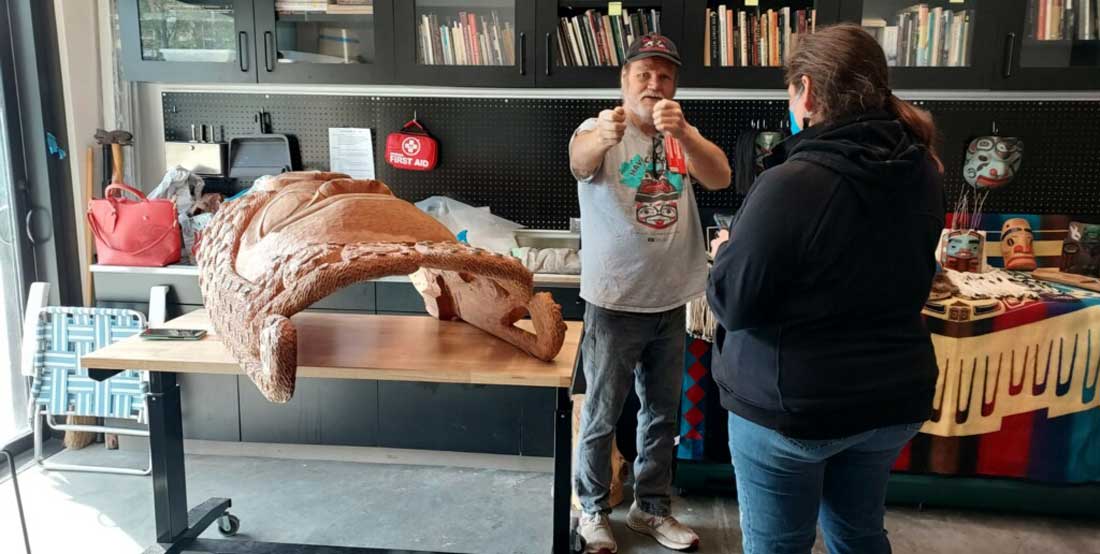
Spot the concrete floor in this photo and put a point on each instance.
(423, 501)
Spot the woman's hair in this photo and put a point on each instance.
(847, 68)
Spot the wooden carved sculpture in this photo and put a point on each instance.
(298, 237)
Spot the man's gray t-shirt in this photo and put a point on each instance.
(642, 244)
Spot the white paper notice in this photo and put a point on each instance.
(351, 151)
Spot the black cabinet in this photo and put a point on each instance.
(566, 60)
(1050, 46)
(249, 41)
(743, 44)
(936, 44)
(478, 43)
(187, 40)
(347, 44)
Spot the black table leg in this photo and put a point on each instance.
(166, 449)
(563, 463)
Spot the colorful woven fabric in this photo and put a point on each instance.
(694, 398)
(62, 386)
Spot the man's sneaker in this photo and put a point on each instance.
(669, 532)
(596, 531)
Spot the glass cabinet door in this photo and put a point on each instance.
(582, 43)
(324, 41)
(187, 40)
(466, 33)
(922, 35)
(934, 44)
(1051, 45)
(745, 43)
(1061, 34)
(465, 42)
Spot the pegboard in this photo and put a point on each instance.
(511, 154)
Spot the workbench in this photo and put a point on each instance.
(331, 346)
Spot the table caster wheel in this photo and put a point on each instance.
(229, 524)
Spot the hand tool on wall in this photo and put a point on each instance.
(112, 143)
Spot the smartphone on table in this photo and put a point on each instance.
(172, 334)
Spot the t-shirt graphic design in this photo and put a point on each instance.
(658, 191)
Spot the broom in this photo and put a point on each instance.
(75, 440)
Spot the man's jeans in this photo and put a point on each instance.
(621, 348)
(784, 485)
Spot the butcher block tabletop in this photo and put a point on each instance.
(360, 346)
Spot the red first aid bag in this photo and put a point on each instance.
(412, 148)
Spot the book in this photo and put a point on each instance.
(904, 24)
(565, 55)
(890, 44)
(612, 53)
(510, 43)
(706, 40)
(350, 9)
(582, 44)
(437, 44)
(935, 20)
(773, 36)
(723, 40)
(786, 36)
(968, 35)
(617, 38)
(944, 43)
(745, 36)
(728, 33)
(597, 37)
(458, 39)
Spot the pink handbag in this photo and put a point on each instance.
(139, 232)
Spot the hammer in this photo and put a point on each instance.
(113, 157)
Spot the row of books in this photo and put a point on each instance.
(926, 37)
(465, 39)
(595, 38)
(344, 7)
(1063, 19)
(753, 39)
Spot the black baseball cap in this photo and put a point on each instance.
(652, 45)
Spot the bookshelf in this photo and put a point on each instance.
(473, 34)
(923, 34)
(744, 44)
(584, 42)
(464, 42)
(933, 43)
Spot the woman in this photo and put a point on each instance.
(823, 359)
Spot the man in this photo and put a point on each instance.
(643, 259)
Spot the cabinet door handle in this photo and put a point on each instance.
(549, 53)
(242, 50)
(1010, 51)
(269, 51)
(523, 53)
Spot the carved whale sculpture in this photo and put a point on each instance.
(299, 237)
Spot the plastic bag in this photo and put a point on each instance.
(181, 186)
(475, 226)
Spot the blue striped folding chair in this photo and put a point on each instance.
(62, 388)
